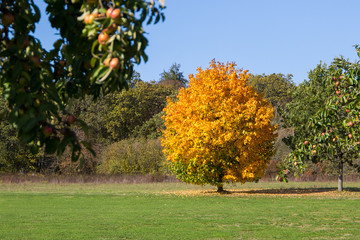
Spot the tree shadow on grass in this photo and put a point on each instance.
(291, 191)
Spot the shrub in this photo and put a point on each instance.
(133, 156)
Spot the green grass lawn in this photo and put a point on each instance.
(179, 211)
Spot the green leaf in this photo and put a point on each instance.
(96, 72)
(30, 126)
(75, 156)
(95, 43)
(27, 137)
(93, 62)
(34, 149)
(62, 145)
(84, 126)
(82, 161)
(157, 19)
(89, 147)
(51, 145)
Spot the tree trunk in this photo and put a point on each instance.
(220, 188)
(341, 171)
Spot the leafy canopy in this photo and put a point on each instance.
(99, 43)
(275, 87)
(332, 133)
(219, 130)
(173, 77)
(129, 110)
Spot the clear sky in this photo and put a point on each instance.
(262, 36)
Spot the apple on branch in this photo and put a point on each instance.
(114, 63)
(7, 19)
(103, 38)
(71, 119)
(47, 130)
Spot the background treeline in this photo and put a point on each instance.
(125, 127)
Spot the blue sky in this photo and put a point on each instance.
(262, 36)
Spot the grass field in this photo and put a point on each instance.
(179, 211)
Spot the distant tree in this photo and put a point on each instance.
(94, 113)
(150, 129)
(131, 109)
(219, 130)
(134, 79)
(275, 87)
(173, 77)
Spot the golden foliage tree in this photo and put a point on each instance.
(219, 130)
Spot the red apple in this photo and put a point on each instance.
(295, 163)
(108, 12)
(114, 63)
(350, 135)
(313, 151)
(347, 110)
(103, 38)
(314, 146)
(107, 62)
(47, 130)
(89, 19)
(306, 142)
(116, 13)
(71, 119)
(322, 134)
(338, 92)
(35, 60)
(7, 19)
(350, 124)
(337, 83)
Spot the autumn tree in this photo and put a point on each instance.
(99, 43)
(332, 133)
(219, 130)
